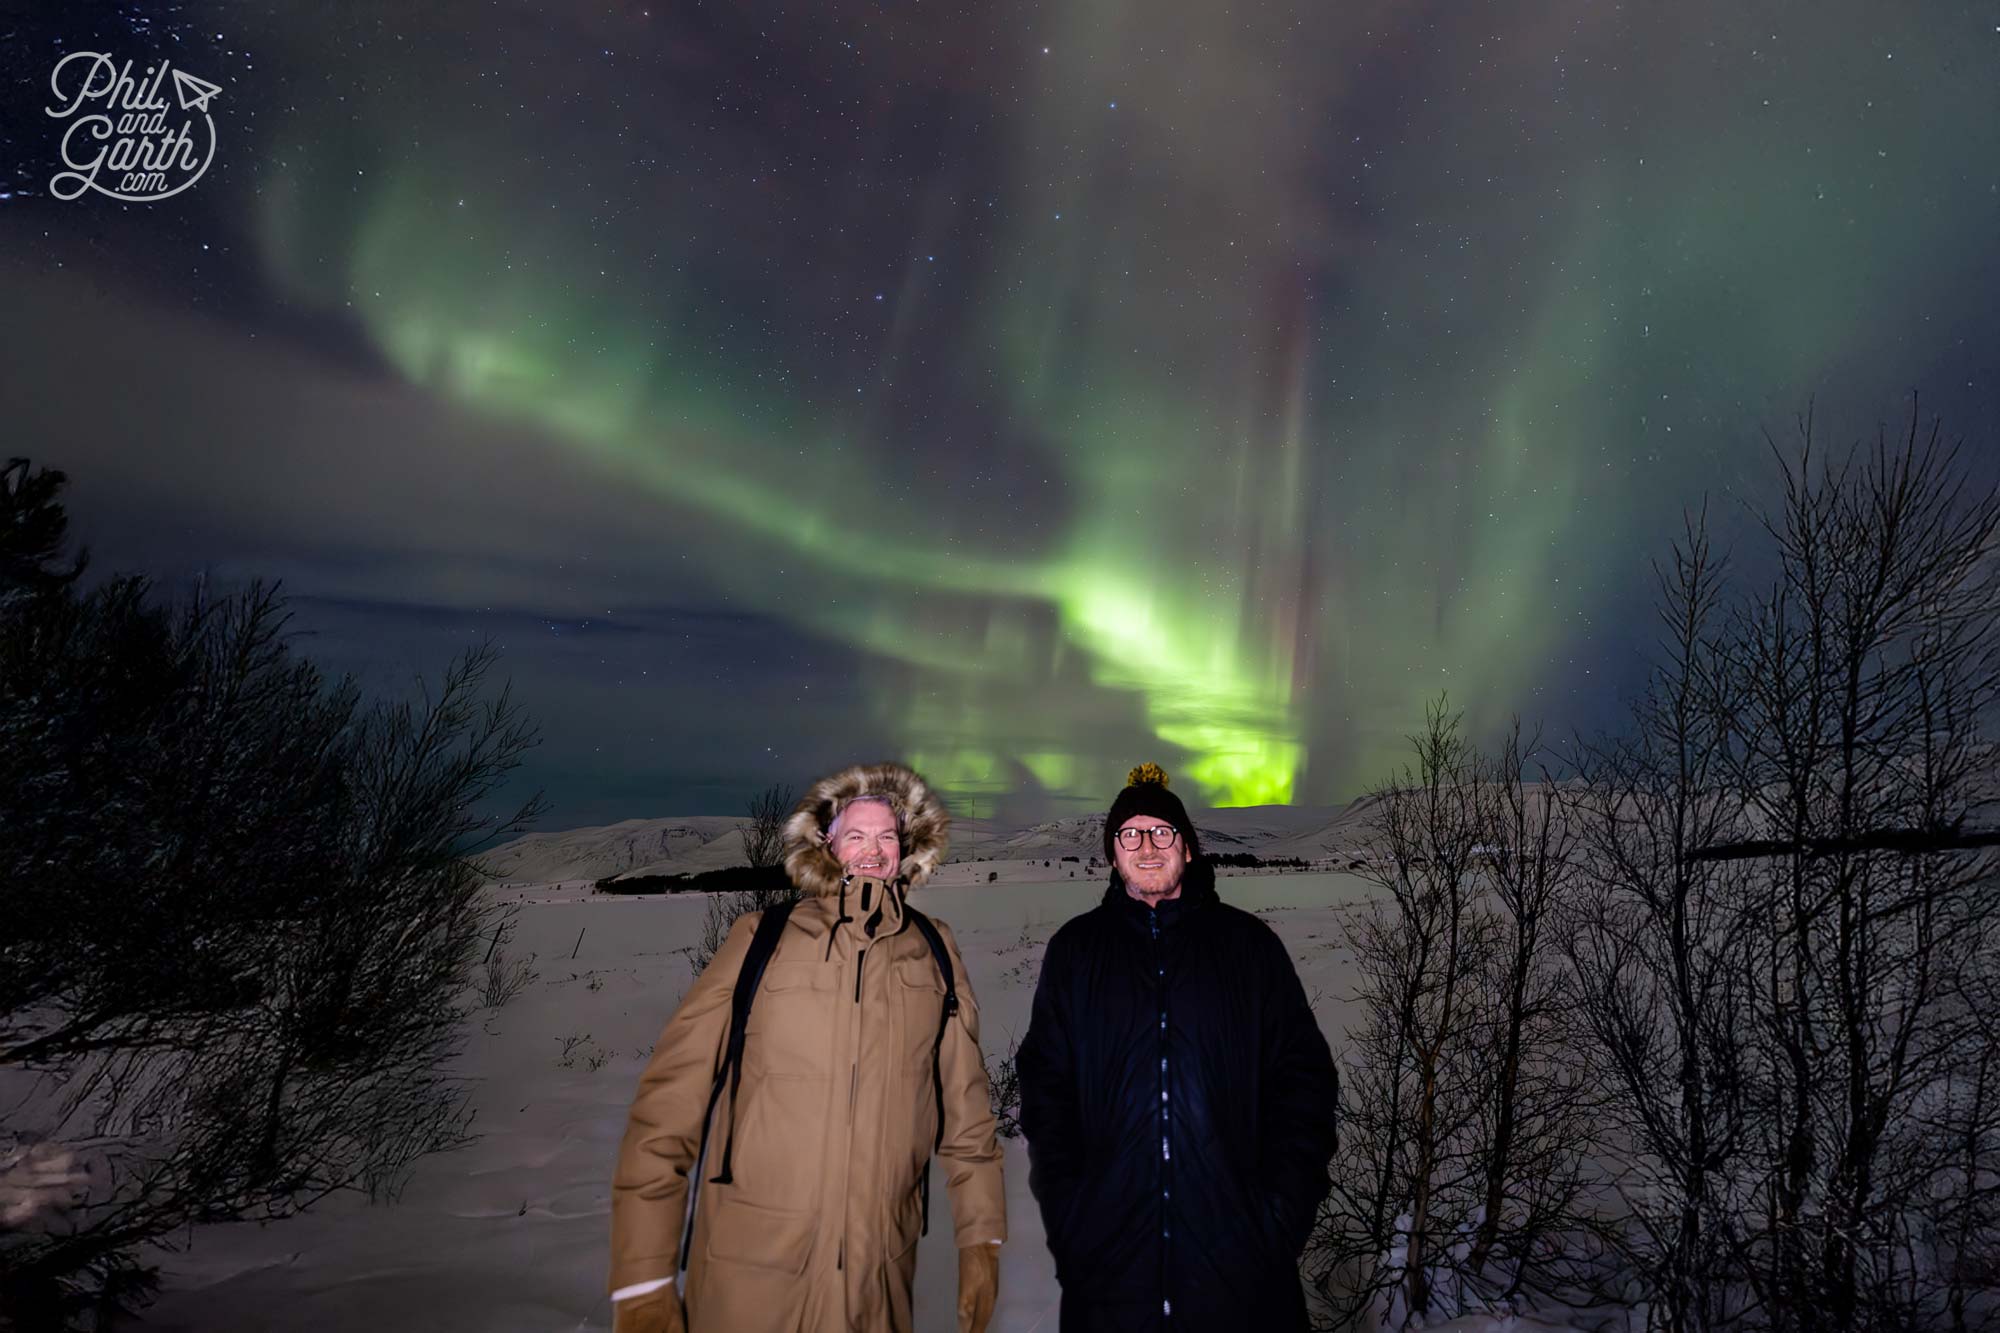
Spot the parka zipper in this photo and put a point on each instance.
(1166, 1127)
(853, 1084)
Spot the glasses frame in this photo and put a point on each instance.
(1141, 836)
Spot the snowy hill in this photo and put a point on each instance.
(694, 843)
(659, 846)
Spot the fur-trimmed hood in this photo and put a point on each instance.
(925, 825)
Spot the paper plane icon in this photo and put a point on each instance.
(194, 93)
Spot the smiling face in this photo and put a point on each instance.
(1151, 874)
(865, 841)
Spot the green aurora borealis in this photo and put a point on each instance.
(1210, 385)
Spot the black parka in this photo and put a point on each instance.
(1179, 1104)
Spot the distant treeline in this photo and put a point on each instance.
(1252, 859)
(730, 879)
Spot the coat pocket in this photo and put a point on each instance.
(906, 1225)
(1076, 1207)
(1247, 1216)
(750, 1275)
(740, 1232)
(919, 1000)
(791, 1021)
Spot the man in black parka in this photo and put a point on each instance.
(1177, 1096)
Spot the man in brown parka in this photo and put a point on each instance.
(836, 1113)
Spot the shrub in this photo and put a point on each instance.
(241, 914)
(1003, 1087)
(503, 978)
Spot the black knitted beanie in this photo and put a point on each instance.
(1146, 794)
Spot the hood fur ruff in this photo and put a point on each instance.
(926, 826)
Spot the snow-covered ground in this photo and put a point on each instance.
(510, 1231)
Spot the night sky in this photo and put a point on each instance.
(1021, 390)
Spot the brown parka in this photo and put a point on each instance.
(836, 1114)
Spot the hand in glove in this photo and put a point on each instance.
(978, 1286)
(655, 1312)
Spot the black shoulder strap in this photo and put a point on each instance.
(763, 943)
(928, 929)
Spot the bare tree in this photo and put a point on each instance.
(764, 845)
(1659, 943)
(1792, 921)
(241, 922)
(764, 836)
(501, 977)
(1869, 668)
(1464, 1181)
(723, 910)
(1960, 1223)
(1779, 914)
(1409, 1174)
(1532, 1233)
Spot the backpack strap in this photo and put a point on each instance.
(763, 943)
(929, 931)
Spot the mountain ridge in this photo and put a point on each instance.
(689, 844)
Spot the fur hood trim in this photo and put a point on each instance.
(925, 824)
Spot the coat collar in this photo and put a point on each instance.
(857, 915)
(872, 908)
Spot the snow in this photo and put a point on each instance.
(510, 1232)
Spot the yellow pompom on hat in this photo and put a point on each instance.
(1146, 794)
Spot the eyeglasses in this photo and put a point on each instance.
(1163, 836)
